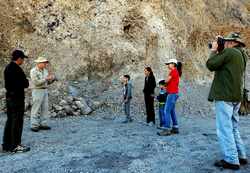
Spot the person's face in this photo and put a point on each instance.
(230, 44)
(125, 80)
(42, 65)
(170, 66)
(162, 86)
(146, 72)
(20, 61)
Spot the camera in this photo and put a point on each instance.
(220, 42)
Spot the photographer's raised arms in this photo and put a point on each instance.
(226, 91)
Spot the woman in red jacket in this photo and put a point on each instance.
(172, 88)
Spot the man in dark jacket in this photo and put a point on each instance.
(15, 83)
(226, 91)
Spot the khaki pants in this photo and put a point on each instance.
(40, 102)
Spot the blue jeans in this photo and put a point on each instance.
(169, 111)
(127, 109)
(227, 123)
(161, 115)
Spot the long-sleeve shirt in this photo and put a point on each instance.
(228, 66)
(127, 91)
(162, 97)
(38, 78)
(15, 81)
(149, 85)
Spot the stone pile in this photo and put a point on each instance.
(73, 106)
(59, 106)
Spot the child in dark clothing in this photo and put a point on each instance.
(162, 99)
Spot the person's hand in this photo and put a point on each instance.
(50, 77)
(214, 46)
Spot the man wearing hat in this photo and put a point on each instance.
(227, 93)
(40, 79)
(15, 83)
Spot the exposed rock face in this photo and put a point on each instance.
(103, 38)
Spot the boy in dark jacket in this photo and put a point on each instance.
(162, 99)
(127, 96)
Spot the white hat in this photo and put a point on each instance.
(41, 60)
(174, 61)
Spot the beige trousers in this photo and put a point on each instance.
(40, 103)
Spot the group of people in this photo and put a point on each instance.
(167, 98)
(227, 60)
(15, 84)
(228, 64)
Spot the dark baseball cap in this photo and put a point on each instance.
(18, 54)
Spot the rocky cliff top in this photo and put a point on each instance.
(103, 38)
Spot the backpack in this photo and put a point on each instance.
(245, 104)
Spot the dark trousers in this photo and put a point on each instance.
(149, 102)
(14, 124)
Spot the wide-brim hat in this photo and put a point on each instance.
(172, 61)
(41, 60)
(234, 36)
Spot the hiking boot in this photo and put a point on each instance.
(21, 149)
(175, 130)
(34, 129)
(243, 161)
(226, 165)
(165, 132)
(45, 127)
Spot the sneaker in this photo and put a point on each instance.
(243, 161)
(226, 165)
(175, 130)
(151, 124)
(161, 127)
(5, 149)
(165, 132)
(34, 129)
(21, 149)
(45, 127)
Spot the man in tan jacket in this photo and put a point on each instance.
(40, 78)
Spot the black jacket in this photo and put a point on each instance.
(149, 85)
(15, 81)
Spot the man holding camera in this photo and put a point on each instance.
(40, 78)
(226, 91)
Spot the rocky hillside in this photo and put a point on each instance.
(95, 39)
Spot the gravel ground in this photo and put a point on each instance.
(100, 145)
